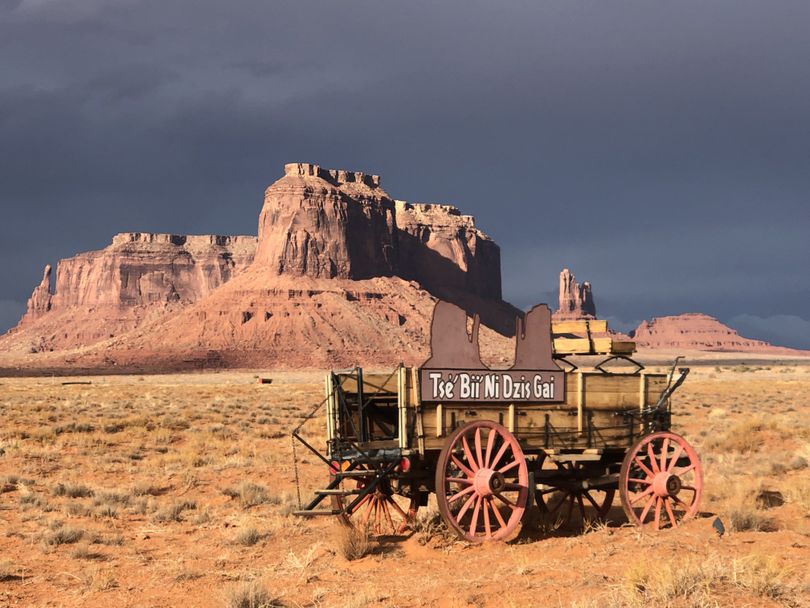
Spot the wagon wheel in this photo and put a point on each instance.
(573, 507)
(661, 481)
(482, 482)
(382, 512)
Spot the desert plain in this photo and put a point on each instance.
(168, 490)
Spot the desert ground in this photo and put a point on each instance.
(178, 490)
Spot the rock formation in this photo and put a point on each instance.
(341, 224)
(327, 224)
(441, 248)
(695, 331)
(332, 279)
(341, 274)
(576, 301)
(100, 294)
(40, 301)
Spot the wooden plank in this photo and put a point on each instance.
(596, 346)
(581, 326)
(580, 399)
(372, 383)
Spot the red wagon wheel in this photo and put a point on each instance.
(574, 506)
(661, 481)
(482, 482)
(382, 512)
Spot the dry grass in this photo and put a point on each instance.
(71, 490)
(173, 512)
(250, 594)
(353, 542)
(248, 494)
(248, 537)
(700, 581)
(63, 535)
(136, 468)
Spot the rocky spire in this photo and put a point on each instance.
(576, 301)
(40, 301)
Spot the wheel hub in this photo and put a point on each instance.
(666, 484)
(488, 482)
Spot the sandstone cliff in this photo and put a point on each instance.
(40, 301)
(327, 224)
(443, 249)
(340, 274)
(100, 294)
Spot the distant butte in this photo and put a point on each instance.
(696, 331)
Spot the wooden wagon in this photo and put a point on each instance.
(490, 442)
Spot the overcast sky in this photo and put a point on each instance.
(660, 150)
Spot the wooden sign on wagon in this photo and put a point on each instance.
(454, 372)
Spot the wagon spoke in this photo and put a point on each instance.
(675, 457)
(503, 498)
(476, 513)
(679, 501)
(463, 492)
(635, 499)
(468, 453)
(636, 480)
(592, 501)
(658, 501)
(369, 509)
(360, 504)
(570, 509)
(509, 466)
(465, 507)
(664, 450)
(581, 506)
(643, 467)
(653, 461)
(687, 469)
(398, 508)
(499, 454)
(497, 513)
(387, 512)
(478, 451)
(670, 514)
(462, 466)
(490, 445)
(646, 510)
(487, 527)
(559, 503)
(462, 480)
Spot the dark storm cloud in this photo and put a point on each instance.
(661, 151)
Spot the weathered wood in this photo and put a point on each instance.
(593, 346)
(580, 326)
